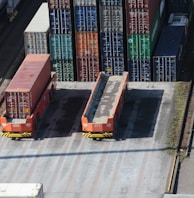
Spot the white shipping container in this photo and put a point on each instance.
(21, 190)
(36, 33)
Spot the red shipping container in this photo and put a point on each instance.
(93, 67)
(59, 4)
(87, 68)
(27, 85)
(86, 44)
(142, 4)
(143, 22)
(82, 69)
(132, 21)
(141, 16)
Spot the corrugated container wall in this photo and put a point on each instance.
(60, 39)
(27, 85)
(167, 57)
(37, 31)
(60, 21)
(142, 24)
(112, 37)
(86, 40)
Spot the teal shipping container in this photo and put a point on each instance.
(61, 46)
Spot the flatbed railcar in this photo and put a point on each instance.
(102, 111)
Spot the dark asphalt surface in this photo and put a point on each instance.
(11, 38)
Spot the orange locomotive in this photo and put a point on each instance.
(104, 106)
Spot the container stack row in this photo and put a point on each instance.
(143, 24)
(88, 36)
(37, 32)
(86, 40)
(111, 36)
(61, 40)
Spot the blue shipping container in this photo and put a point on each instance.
(113, 65)
(60, 21)
(133, 68)
(85, 18)
(112, 44)
(167, 57)
(139, 70)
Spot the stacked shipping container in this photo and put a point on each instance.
(142, 23)
(86, 37)
(61, 47)
(111, 36)
(37, 32)
(167, 57)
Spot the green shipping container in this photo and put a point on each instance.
(133, 47)
(144, 46)
(64, 70)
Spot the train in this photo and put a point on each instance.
(27, 97)
(103, 109)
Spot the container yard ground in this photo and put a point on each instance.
(70, 165)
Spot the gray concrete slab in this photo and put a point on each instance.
(70, 165)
